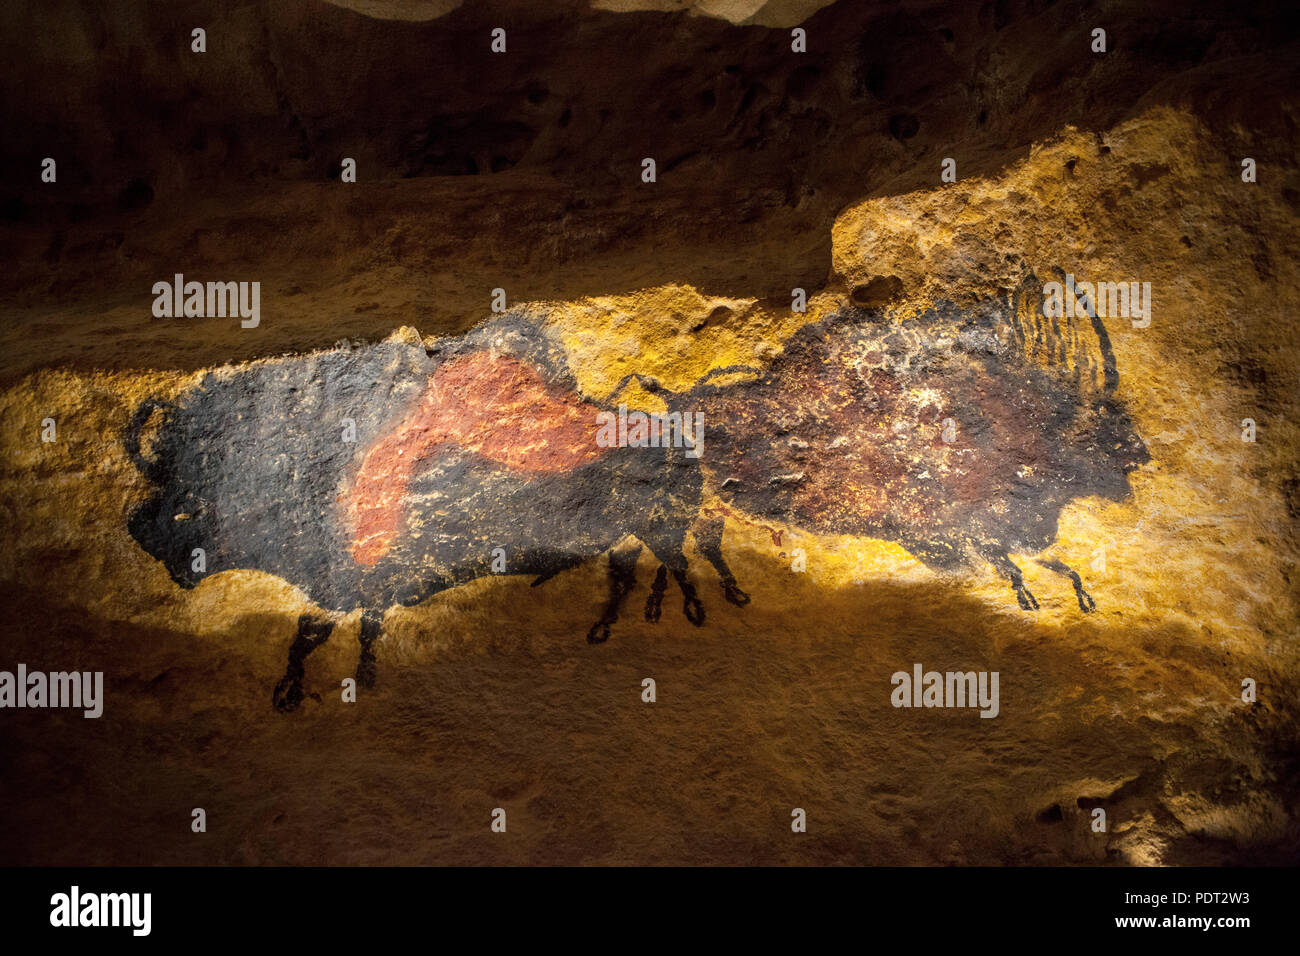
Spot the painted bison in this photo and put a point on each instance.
(959, 433)
(475, 457)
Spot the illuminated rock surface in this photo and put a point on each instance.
(791, 172)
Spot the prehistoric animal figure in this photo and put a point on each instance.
(477, 452)
(960, 434)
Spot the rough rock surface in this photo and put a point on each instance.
(775, 172)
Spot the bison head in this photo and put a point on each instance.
(1099, 449)
(171, 524)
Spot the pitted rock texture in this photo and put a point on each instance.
(522, 171)
(1114, 168)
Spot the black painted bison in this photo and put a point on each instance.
(472, 458)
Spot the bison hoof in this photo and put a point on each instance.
(1027, 600)
(694, 609)
(653, 607)
(735, 595)
(1086, 604)
(287, 696)
(599, 633)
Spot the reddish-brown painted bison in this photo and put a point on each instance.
(960, 433)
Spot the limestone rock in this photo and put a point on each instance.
(853, 531)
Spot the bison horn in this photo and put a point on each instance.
(150, 469)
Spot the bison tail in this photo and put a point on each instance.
(704, 382)
(702, 386)
(647, 382)
(131, 439)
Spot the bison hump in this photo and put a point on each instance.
(495, 406)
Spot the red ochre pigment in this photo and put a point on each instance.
(497, 407)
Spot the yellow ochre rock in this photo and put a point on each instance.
(489, 696)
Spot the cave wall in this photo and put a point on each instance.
(820, 171)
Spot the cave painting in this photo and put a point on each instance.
(959, 434)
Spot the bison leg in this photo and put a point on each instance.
(1003, 563)
(622, 579)
(667, 547)
(1086, 603)
(655, 602)
(692, 606)
(312, 633)
(708, 538)
(371, 624)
